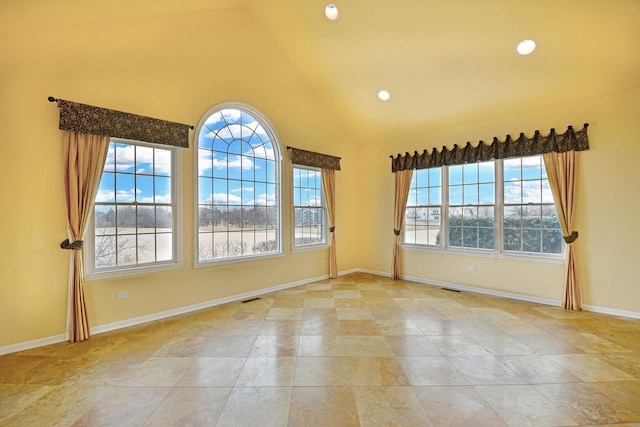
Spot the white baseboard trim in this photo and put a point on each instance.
(41, 342)
(611, 311)
(491, 292)
(28, 345)
(200, 306)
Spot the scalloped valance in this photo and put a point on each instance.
(117, 124)
(313, 159)
(523, 146)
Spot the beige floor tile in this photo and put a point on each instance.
(359, 327)
(323, 407)
(285, 314)
(229, 346)
(590, 368)
(412, 345)
(275, 345)
(523, 406)
(484, 370)
(159, 371)
(458, 345)
(256, 406)
(538, 369)
(357, 350)
(124, 406)
(365, 346)
(321, 372)
(431, 370)
(347, 313)
(586, 405)
(212, 371)
(190, 406)
(457, 406)
(389, 406)
(267, 371)
(373, 371)
(319, 303)
(399, 327)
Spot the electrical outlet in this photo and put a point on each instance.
(121, 295)
(471, 268)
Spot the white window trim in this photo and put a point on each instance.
(91, 273)
(498, 252)
(316, 246)
(277, 146)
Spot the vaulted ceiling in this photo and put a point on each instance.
(442, 61)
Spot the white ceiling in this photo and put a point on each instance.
(441, 60)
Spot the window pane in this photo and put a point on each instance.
(422, 195)
(105, 251)
(550, 217)
(531, 240)
(455, 195)
(512, 216)
(164, 218)
(470, 173)
(205, 190)
(455, 236)
(205, 218)
(486, 238)
(146, 248)
(435, 175)
(144, 160)
(513, 192)
(470, 237)
(205, 163)
(144, 189)
(470, 195)
(125, 158)
(105, 220)
(126, 248)
(531, 192)
(219, 162)
(486, 171)
(435, 196)
(455, 175)
(126, 220)
(146, 219)
(125, 187)
(487, 194)
(531, 216)
(552, 241)
(512, 170)
(106, 191)
(512, 239)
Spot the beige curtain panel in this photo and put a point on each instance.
(403, 183)
(117, 124)
(571, 140)
(84, 157)
(329, 185)
(562, 173)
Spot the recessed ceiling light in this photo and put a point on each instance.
(331, 12)
(384, 95)
(526, 47)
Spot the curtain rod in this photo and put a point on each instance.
(52, 99)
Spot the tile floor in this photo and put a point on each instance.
(358, 350)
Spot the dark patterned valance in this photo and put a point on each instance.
(523, 146)
(316, 160)
(116, 124)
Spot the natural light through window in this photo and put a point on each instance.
(502, 206)
(135, 208)
(238, 186)
(310, 223)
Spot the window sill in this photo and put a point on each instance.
(525, 256)
(310, 248)
(236, 260)
(132, 271)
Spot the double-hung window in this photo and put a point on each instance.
(134, 228)
(502, 206)
(309, 210)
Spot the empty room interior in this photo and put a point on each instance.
(302, 213)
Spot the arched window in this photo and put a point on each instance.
(238, 186)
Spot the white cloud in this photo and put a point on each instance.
(224, 198)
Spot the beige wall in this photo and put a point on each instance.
(178, 69)
(608, 203)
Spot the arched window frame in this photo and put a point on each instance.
(274, 139)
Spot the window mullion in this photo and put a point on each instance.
(499, 206)
(444, 227)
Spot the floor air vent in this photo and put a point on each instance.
(250, 299)
(450, 290)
